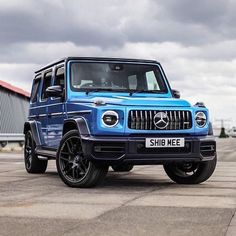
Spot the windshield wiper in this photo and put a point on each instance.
(87, 91)
(131, 92)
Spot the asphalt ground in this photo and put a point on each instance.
(142, 202)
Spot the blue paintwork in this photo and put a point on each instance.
(120, 102)
(97, 128)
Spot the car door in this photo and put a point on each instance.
(43, 104)
(56, 110)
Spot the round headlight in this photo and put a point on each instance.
(200, 119)
(110, 118)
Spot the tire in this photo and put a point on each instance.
(122, 168)
(181, 172)
(33, 164)
(73, 168)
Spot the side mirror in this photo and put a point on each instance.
(176, 93)
(54, 91)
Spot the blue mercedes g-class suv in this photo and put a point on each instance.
(92, 113)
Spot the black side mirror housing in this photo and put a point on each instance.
(54, 91)
(175, 93)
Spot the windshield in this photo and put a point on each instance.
(86, 76)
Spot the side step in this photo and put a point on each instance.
(46, 153)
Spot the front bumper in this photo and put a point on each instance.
(114, 150)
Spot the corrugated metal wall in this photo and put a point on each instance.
(13, 112)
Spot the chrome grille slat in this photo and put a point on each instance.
(132, 120)
(183, 119)
(151, 122)
(180, 120)
(188, 120)
(167, 127)
(144, 119)
(175, 119)
(171, 120)
(136, 119)
(154, 113)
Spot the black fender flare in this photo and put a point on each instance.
(77, 123)
(81, 125)
(36, 130)
(210, 129)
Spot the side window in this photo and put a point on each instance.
(35, 89)
(152, 83)
(133, 82)
(46, 83)
(60, 77)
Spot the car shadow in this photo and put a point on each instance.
(129, 180)
(118, 181)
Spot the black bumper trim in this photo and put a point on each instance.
(132, 155)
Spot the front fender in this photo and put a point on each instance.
(36, 130)
(76, 123)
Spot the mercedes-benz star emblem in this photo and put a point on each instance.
(161, 120)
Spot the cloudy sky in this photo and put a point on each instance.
(195, 41)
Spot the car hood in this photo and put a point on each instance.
(142, 101)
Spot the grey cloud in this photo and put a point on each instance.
(202, 22)
(111, 24)
(171, 31)
(195, 40)
(185, 22)
(211, 12)
(54, 25)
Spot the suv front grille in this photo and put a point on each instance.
(144, 120)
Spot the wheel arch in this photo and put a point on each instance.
(27, 127)
(35, 128)
(79, 123)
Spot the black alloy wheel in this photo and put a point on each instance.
(32, 163)
(190, 172)
(73, 167)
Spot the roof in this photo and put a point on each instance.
(14, 89)
(96, 59)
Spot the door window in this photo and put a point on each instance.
(60, 77)
(46, 83)
(35, 90)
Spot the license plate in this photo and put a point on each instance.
(164, 142)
